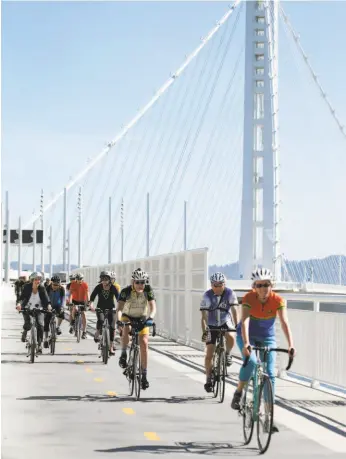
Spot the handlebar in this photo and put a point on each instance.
(104, 310)
(135, 322)
(267, 349)
(222, 329)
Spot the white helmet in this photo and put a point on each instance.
(217, 277)
(261, 274)
(138, 274)
(113, 275)
(36, 275)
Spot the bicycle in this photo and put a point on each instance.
(31, 341)
(133, 371)
(219, 368)
(259, 386)
(79, 308)
(52, 336)
(105, 343)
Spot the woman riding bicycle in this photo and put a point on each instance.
(259, 310)
(107, 296)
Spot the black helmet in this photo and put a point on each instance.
(56, 280)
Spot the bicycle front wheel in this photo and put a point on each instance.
(33, 344)
(52, 337)
(222, 375)
(265, 414)
(247, 412)
(216, 373)
(78, 325)
(130, 374)
(137, 372)
(105, 345)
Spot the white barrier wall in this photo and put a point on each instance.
(179, 281)
(320, 340)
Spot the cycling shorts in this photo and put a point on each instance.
(144, 331)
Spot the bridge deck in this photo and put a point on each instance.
(71, 405)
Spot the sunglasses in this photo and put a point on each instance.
(218, 285)
(55, 285)
(140, 282)
(263, 285)
(105, 278)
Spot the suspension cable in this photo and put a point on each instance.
(313, 74)
(142, 112)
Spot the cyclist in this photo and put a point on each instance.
(79, 295)
(68, 286)
(19, 285)
(260, 308)
(136, 301)
(56, 295)
(34, 293)
(107, 295)
(219, 296)
(47, 284)
(113, 279)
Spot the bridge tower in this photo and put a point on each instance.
(260, 237)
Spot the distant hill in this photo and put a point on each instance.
(28, 267)
(324, 270)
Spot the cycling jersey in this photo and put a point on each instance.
(262, 316)
(79, 291)
(219, 307)
(57, 297)
(105, 297)
(117, 286)
(136, 304)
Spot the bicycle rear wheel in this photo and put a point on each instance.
(222, 375)
(52, 337)
(137, 372)
(105, 345)
(265, 414)
(33, 344)
(247, 412)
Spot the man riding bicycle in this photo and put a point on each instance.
(259, 311)
(136, 301)
(79, 296)
(107, 296)
(34, 293)
(56, 294)
(218, 308)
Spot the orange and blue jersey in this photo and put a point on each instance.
(262, 315)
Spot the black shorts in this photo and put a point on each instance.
(213, 333)
(81, 304)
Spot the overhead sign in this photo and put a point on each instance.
(27, 237)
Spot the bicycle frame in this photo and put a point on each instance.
(261, 369)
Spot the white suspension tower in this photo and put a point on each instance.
(260, 238)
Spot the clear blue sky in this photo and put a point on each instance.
(73, 73)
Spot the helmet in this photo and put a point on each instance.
(72, 277)
(79, 276)
(56, 279)
(105, 274)
(36, 275)
(138, 274)
(261, 274)
(217, 277)
(113, 275)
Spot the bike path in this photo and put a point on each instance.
(72, 405)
